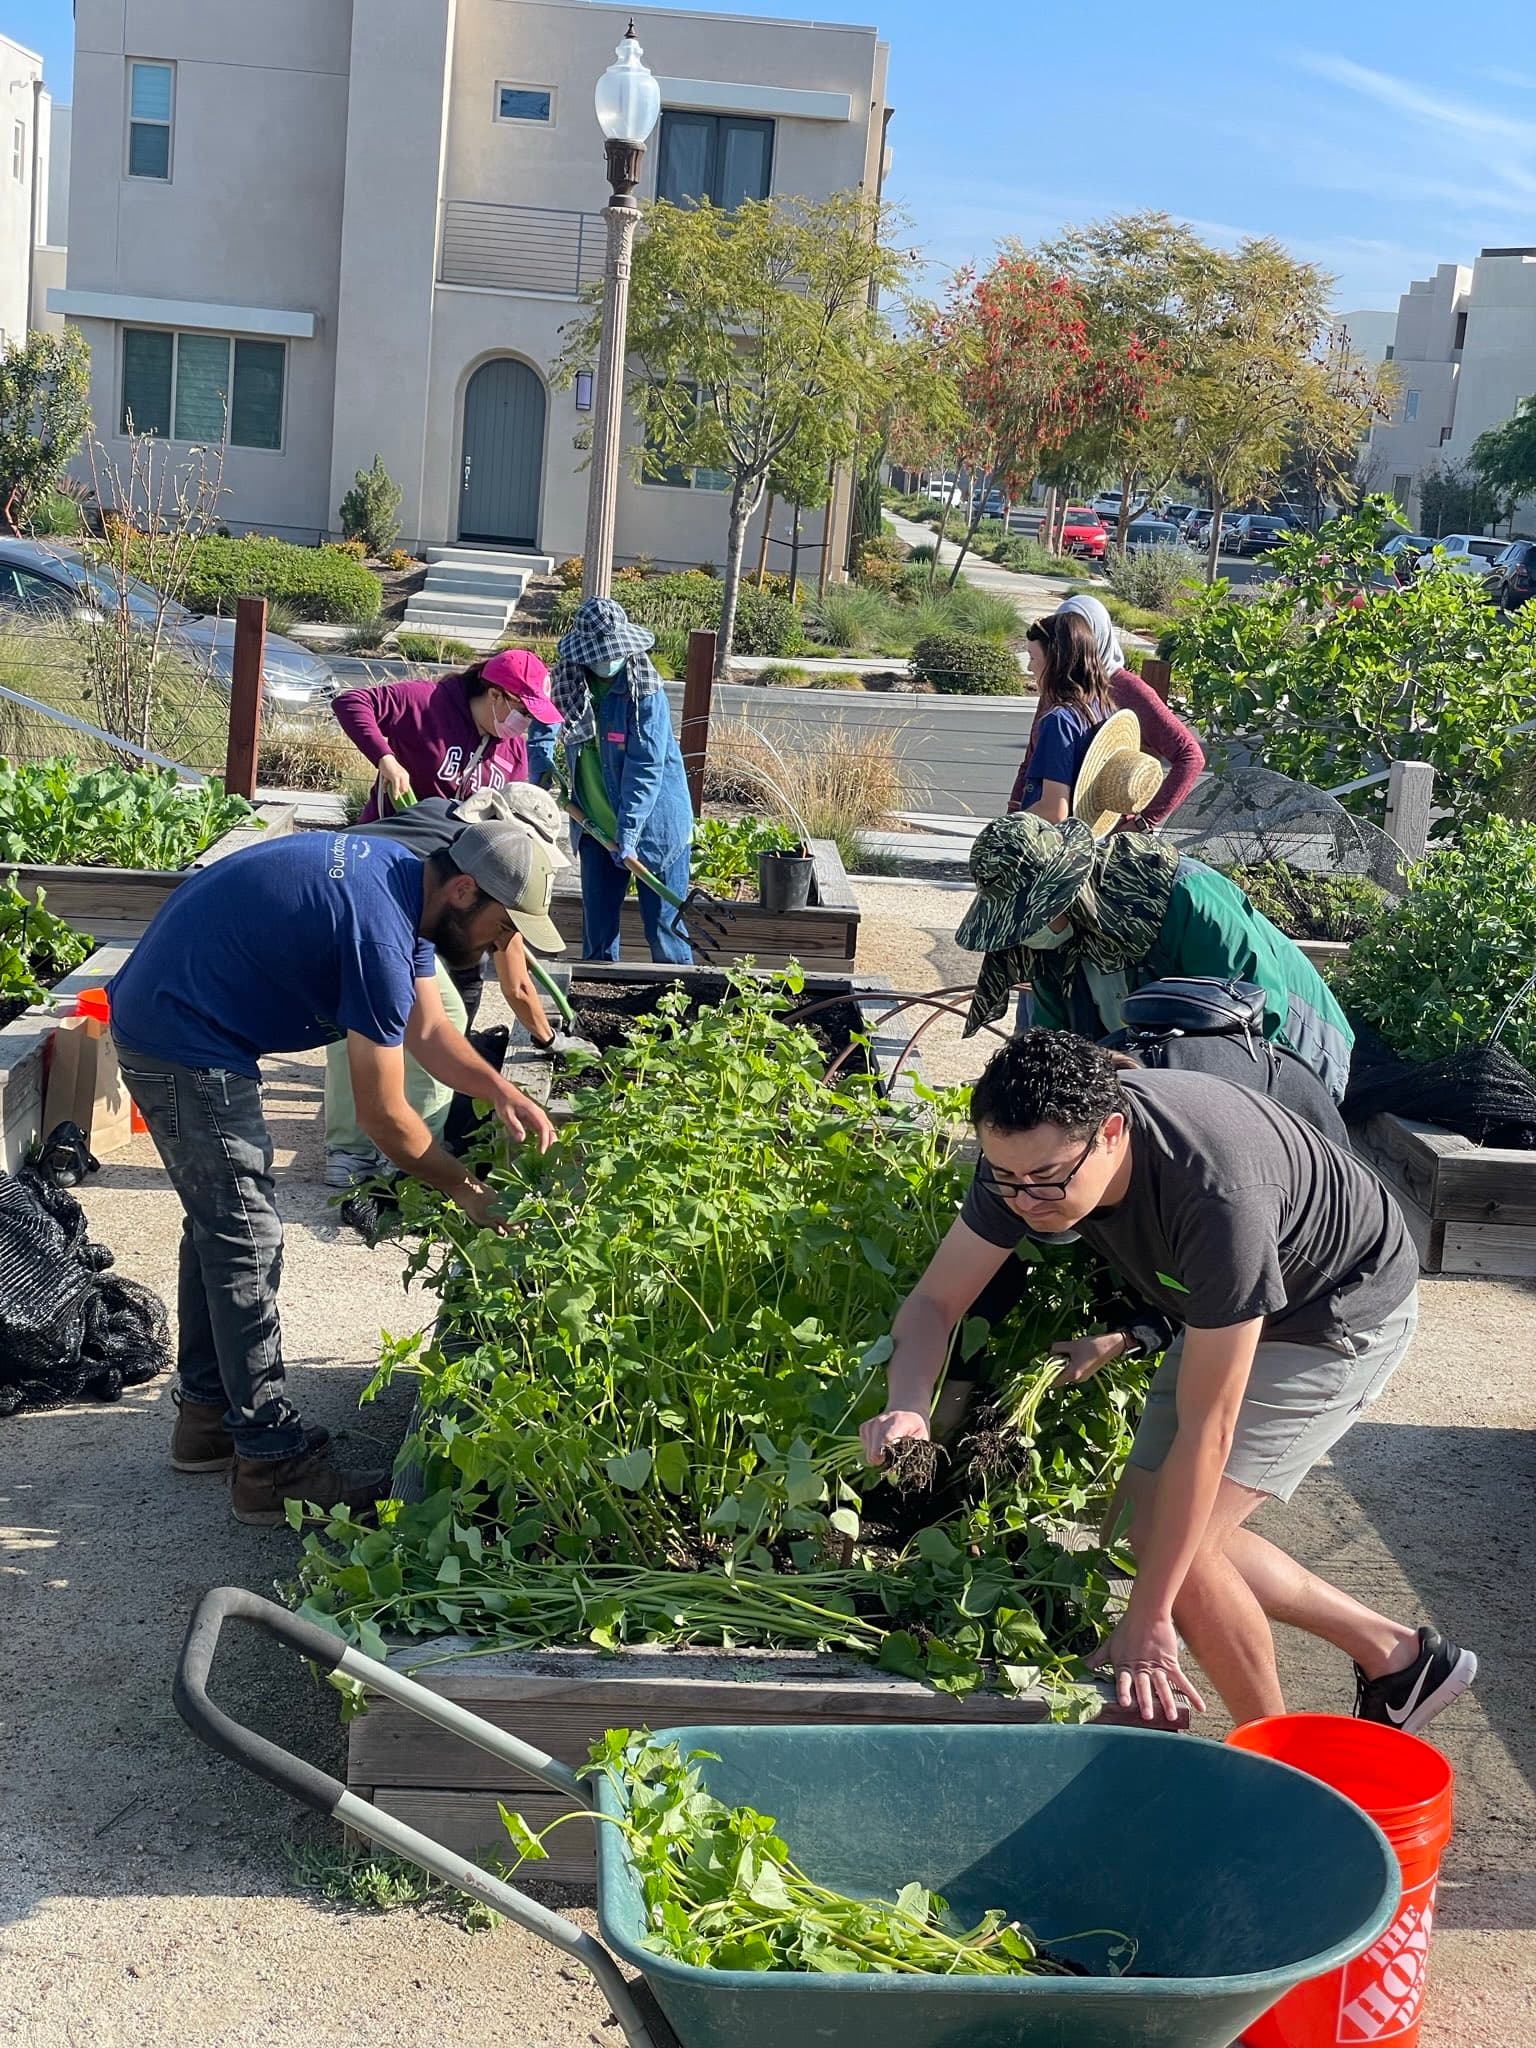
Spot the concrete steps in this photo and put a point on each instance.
(471, 593)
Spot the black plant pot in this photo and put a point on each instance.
(784, 880)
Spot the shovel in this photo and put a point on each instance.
(708, 916)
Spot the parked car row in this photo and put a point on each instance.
(49, 580)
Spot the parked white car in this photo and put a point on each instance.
(1468, 554)
(941, 492)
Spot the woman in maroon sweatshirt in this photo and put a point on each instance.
(1162, 732)
(449, 735)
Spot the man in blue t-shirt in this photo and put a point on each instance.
(292, 944)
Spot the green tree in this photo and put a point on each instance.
(370, 510)
(45, 415)
(748, 331)
(1504, 458)
(1454, 500)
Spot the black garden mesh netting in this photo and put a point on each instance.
(1483, 1093)
(70, 1330)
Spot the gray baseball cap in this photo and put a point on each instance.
(516, 869)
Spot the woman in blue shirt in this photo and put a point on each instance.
(1075, 698)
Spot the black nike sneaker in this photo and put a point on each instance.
(1410, 1699)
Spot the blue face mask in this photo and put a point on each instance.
(606, 669)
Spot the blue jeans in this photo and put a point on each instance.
(603, 887)
(213, 1141)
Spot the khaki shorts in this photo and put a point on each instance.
(1300, 1400)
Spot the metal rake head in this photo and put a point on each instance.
(709, 919)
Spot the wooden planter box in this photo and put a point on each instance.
(118, 903)
(824, 935)
(24, 1058)
(1470, 1208)
(562, 1700)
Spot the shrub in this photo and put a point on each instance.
(53, 516)
(370, 636)
(1153, 577)
(766, 624)
(782, 678)
(986, 613)
(1439, 972)
(670, 654)
(430, 647)
(354, 550)
(319, 583)
(282, 616)
(540, 644)
(965, 665)
(1027, 557)
(370, 512)
(401, 561)
(306, 754)
(1312, 905)
(690, 602)
(847, 615)
(570, 572)
(1334, 680)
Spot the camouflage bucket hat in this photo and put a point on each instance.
(1027, 873)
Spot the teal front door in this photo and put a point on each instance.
(503, 453)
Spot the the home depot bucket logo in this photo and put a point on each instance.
(1384, 1988)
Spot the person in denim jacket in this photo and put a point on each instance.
(626, 778)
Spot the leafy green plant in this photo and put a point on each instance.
(1335, 676)
(644, 1425)
(848, 615)
(320, 583)
(36, 949)
(723, 1892)
(1153, 578)
(1019, 553)
(54, 813)
(45, 415)
(689, 601)
(1309, 904)
(962, 664)
(432, 647)
(1439, 972)
(370, 511)
(725, 850)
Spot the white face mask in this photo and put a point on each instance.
(606, 669)
(1047, 940)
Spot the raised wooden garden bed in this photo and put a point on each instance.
(823, 935)
(561, 1701)
(1471, 1208)
(24, 1057)
(118, 903)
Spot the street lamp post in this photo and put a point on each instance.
(628, 103)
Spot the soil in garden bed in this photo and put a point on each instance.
(605, 1011)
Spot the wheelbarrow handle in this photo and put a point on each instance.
(315, 1788)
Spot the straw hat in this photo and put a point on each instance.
(1117, 779)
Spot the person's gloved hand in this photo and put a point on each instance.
(568, 1042)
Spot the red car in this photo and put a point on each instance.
(1084, 533)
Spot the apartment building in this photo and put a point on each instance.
(33, 165)
(358, 227)
(1428, 353)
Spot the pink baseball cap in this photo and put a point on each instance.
(522, 675)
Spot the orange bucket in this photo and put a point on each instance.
(1406, 1787)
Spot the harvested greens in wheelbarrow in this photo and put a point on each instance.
(723, 1892)
(637, 1419)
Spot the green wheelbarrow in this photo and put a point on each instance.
(1238, 1877)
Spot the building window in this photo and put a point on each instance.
(656, 470)
(151, 95)
(19, 151)
(719, 157)
(179, 386)
(1461, 331)
(1401, 488)
(1391, 350)
(1410, 405)
(525, 103)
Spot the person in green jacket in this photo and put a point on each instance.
(1086, 922)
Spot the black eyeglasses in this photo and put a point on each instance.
(1044, 1190)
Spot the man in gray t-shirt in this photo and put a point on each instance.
(1288, 1271)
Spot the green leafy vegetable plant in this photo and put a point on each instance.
(54, 813)
(36, 948)
(638, 1422)
(725, 850)
(723, 1892)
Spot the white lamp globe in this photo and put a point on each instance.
(628, 98)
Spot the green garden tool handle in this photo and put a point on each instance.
(637, 868)
(551, 987)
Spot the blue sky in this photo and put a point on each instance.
(1377, 140)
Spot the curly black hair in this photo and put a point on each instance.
(1049, 1077)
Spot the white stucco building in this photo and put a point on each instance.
(34, 165)
(357, 227)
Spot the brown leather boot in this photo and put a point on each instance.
(201, 1443)
(264, 1486)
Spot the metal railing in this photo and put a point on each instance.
(520, 248)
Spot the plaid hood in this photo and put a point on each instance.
(601, 631)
